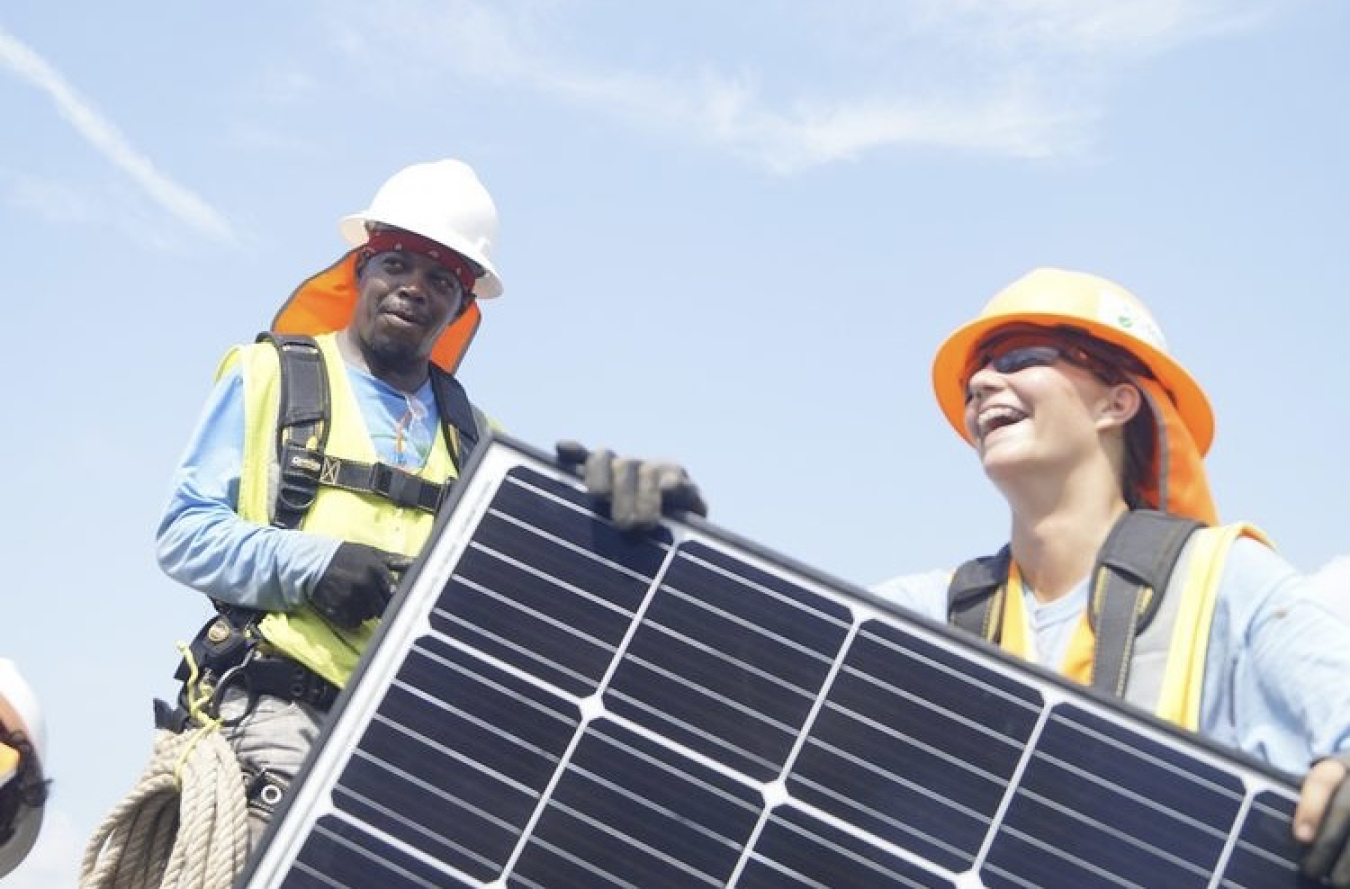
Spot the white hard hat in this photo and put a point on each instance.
(21, 727)
(441, 200)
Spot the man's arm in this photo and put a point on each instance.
(203, 543)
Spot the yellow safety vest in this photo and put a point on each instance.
(340, 514)
(1167, 667)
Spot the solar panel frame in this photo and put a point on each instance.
(773, 726)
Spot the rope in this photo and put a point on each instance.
(184, 825)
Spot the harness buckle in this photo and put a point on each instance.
(401, 487)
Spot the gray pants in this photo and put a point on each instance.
(271, 741)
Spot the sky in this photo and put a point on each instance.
(732, 235)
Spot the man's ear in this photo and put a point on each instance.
(1120, 403)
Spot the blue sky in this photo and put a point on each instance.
(732, 234)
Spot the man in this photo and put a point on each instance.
(300, 544)
(1080, 418)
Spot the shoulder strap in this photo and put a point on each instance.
(1128, 583)
(975, 595)
(462, 423)
(302, 425)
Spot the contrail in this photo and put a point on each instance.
(109, 141)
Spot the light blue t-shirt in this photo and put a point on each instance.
(1277, 671)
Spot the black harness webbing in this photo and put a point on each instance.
(1128, 582)
(302, 433)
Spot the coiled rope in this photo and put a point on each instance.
(185, 823)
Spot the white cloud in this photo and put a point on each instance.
(1013, 78)
(1095, 27)
(105, 138)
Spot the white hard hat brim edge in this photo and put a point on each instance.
(354, 232)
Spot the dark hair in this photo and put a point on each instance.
(1141, 444)
(1113, 365)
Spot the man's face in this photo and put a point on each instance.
(406, 301)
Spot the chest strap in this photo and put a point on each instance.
(302, 434)
(1129, 579)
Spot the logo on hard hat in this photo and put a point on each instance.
(1125, 314)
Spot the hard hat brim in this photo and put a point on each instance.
(954, 355)
(27, 826)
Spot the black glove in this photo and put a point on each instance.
(1328, 858)
(637, 489)
(357, 584)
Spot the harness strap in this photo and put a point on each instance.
(302, 426)
(390, 482)
(971, 601)
(302, 434)
(1129, 579)
(460, 420)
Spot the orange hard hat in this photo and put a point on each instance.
(1050, 297)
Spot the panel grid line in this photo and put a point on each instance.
(584, 554)
(521, 650)
(647, 708)
(569, 587)
(1135, 842)
(932, 706)
(856, 806)
(835, 847)
(739, 664)
(951, 673)
(419, 829)
(742, 622)
(757, 587)
(1121, 790)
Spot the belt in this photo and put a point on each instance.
(285, 678)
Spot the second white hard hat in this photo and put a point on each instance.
(21, 721)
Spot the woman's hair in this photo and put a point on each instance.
(1141, 444)
(1113, 365)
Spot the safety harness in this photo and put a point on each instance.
(226, 650)
(302, 432)
(1129, 579)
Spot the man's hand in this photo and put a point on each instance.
(357, 584)
(637, 489)
(1322, 819)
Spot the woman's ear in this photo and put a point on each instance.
(1120, 403)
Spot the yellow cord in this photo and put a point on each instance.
(196, 695)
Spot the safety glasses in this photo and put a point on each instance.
(1022, 357)
(1017, 351)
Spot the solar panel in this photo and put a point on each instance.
(551, 703)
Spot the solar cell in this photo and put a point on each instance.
(552, 703)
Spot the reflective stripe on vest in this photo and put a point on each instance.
(336, 513)
(1168, 671)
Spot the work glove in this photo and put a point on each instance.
(357, 584)
(1328, 858)
(637, 490)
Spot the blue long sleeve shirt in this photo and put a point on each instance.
(203, 543)
(1277, 670)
